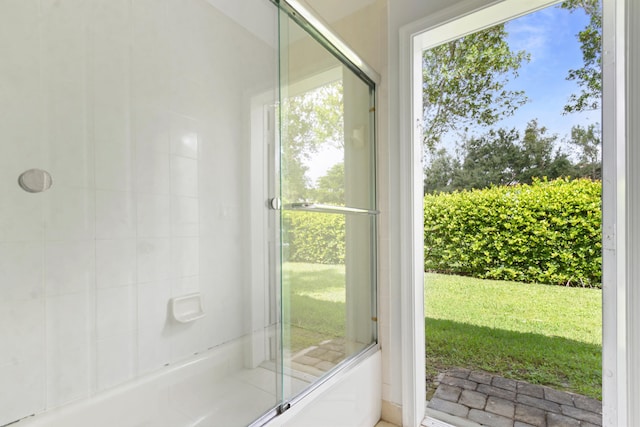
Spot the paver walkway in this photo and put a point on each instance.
(317, 360)
(496, 401)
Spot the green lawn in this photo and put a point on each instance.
(313, 303)
(542, 334)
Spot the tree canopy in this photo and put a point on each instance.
(309, 119)
(504, 157)
(330, 187)
(589, 76)
(587, 144)
(464, 83)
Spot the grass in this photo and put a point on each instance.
(314, 304)
(542, 334)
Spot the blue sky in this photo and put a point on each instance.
(550, 36)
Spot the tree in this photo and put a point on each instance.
(587, 144)
(330, 187)
(499, 157)
(440, 172)
(589, 77)
(464, 83)
(309, 120)
(491, 159)
(538, 156)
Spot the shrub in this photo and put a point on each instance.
(547, 232)
(314, 238)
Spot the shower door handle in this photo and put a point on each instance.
(317, 207)
(275, 204)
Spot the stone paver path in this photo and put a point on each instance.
(317, 360)
(495, 401)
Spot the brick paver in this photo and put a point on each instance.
(545, 405)
(487, 419)
(531, 415)
(497, 391)
(503, 407)
(494, 401)
(449, 407)
(531, 390)
(319, 359)
(448, 392)
(557, 420)
(473, 399)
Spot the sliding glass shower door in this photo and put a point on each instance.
(328, 216)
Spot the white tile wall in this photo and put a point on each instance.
(68, 372)
(154, 348)
(116, 360)
(154, 215)
(140, 111)
(115, 214)
(184, 176)
(184, 136)
(116, 262)
(115, 311)
(154, 260)
(21, 269)
(150, 130)
(22, 388)
(20, 215)
(154, 172)
(185, 216)
(185, 254)
(69, 213)
(154, 325)
(72, 273)
(25, 339)
(22, 367)
(68, 342)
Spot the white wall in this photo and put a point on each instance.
(140, 111)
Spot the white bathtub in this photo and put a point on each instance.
(197, 393)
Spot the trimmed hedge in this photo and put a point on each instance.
(547, 232)
(310, 237)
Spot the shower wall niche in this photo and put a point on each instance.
(141, 263)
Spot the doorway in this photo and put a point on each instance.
(459, 22)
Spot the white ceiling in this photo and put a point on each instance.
(259, 16)
(334, 10)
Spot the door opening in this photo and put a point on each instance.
(445, 33)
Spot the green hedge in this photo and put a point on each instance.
(547, 232)
(309, 237)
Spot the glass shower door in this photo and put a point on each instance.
(328, 218)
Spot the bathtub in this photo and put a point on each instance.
(199, 391)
